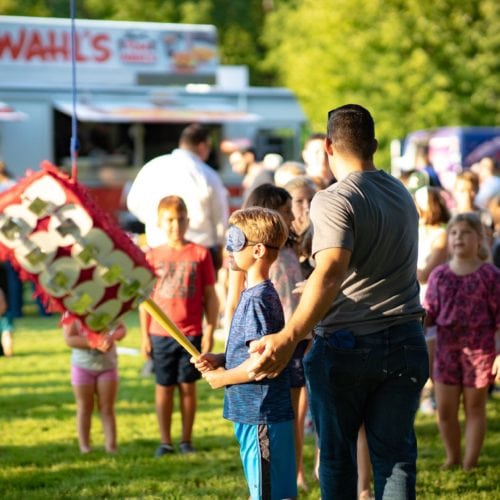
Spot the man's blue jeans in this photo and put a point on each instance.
(377, 382)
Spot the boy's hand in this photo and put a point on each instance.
(215, 378)
(208, 361)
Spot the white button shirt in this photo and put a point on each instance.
(181, 173)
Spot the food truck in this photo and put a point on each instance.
(137, 86)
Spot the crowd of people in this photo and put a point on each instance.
(320, 281)
(352, 277)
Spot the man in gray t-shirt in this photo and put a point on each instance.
(372, 215)
(369, 360)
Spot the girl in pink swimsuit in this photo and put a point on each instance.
(94, 376)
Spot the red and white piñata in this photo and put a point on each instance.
(80, 261)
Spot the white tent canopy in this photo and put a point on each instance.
(145, 112)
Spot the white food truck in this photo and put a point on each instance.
(137, 85)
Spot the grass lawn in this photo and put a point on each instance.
(39, 455)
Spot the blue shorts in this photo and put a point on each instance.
(268, 455)
(171, 362)
(6, 324)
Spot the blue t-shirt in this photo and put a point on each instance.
(259, 312)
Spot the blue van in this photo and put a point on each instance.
(450, 149)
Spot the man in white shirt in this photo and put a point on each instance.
(184, 173)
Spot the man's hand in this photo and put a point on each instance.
(273, 353)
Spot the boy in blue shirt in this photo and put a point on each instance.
(261, 410)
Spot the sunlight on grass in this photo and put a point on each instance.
(39, 456)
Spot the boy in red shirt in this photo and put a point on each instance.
(185, 291)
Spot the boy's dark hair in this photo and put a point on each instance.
(172, 203)
(352, 131)
(267, 196)
(193, 135)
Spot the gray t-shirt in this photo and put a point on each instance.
(373, 215)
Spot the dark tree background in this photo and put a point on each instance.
(413, 63)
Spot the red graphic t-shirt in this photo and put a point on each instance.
(183, 275)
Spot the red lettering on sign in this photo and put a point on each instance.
(79, 45)
(35, 48)
(50, 45)
(62, 48)
(8, 45)
(100, 43)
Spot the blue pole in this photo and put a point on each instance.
(74, 130)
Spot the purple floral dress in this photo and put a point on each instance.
(466, 311)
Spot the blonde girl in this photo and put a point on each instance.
(94, 377)
(463, 301)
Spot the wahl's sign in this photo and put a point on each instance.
(52, 46)
(125, 52)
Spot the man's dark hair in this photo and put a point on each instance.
(193, 135)
(352, 130)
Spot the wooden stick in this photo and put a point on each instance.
(154, 310)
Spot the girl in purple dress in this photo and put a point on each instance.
(463, 301)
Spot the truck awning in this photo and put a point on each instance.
(145, 113)
(9, 114)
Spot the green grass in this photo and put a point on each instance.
(39, 457)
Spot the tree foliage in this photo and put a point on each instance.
(413, 63)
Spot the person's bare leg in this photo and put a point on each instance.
(448, 401)
(475, 424)
(187, 392)
(364, 466)
(299, 403)
(316, 459)
(106, 394)
(84, 396)
(164, 401)
(7, 343)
